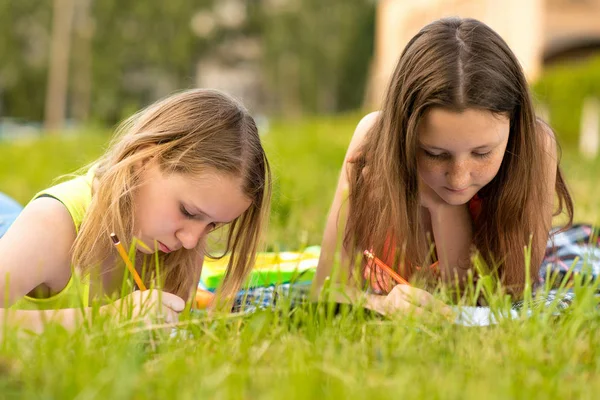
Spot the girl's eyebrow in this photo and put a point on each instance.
(485, 146)
(199, 212)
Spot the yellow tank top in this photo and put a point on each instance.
(76, 195)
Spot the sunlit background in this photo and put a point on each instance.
(308, 70)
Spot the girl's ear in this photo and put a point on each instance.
(140, 164)
(146, 161)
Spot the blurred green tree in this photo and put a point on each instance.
(563, 89)
(314, 55)
(24, 44)
(141, 51)
(317, 53)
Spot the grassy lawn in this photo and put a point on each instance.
(301, 354)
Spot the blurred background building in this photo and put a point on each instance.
(542, 33)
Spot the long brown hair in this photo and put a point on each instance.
(455, 64)
(187, 133)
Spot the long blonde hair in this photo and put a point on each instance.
(455, 64)
(186, 133)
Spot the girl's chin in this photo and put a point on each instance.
(457, 203)
(457, 199)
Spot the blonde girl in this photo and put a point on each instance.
(175, 171)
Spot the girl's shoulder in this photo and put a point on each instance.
(36, 248)
(364, 126)
(75, 195)
(366, 123)
(547, 138)
(368, 120)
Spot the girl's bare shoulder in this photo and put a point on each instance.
(547, 136)
(37, 247)
(363, 127)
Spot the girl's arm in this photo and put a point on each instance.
(35, 251)
(550, 159)
(334, 228)
(402, 298)
(453, 234)
(147, 304)
(35, 320)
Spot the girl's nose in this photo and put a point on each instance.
(190, 236)
(458, 176)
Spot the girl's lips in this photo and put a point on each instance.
(457, 191)
(163, 248)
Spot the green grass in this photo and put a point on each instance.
(305, 353)
(311, 354)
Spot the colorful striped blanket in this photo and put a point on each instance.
(573, 252)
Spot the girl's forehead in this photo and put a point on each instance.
(208, 179)
(218, 195)
(201, 180)
(472, 126)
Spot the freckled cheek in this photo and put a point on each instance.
(431, 172)
(481, 171)
(484, 171)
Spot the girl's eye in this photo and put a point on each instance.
(185, 212)
(435, 156)
(482, 155)
(213, 226)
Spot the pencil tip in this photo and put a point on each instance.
(114, 238)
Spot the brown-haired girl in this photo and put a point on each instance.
(174, 172)
(457, 159)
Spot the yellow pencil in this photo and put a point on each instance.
(125, 257)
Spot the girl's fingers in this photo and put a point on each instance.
(395, 305)
(171, 317)
(172, 301)
(163, 304)
(379, 281)
(414, 295)
(421, 298)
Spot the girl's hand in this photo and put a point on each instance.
(406, 299)
(147, 305)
